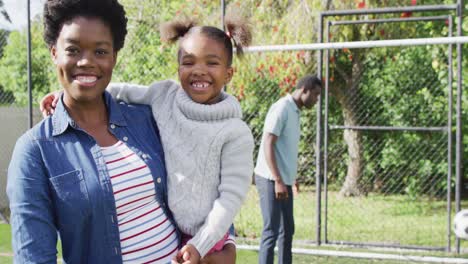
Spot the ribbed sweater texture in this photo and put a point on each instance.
(209, 157)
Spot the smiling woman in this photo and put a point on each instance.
(93, 172)
(84, 56)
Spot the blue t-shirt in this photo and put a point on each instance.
(283, 120)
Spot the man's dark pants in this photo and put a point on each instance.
(278, 222)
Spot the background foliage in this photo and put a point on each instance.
(367, 86)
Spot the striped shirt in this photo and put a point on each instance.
(146, 234)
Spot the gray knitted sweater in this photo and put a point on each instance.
(209, 157)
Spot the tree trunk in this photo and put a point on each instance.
(348, 97)
(353, 141)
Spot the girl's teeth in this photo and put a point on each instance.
(200, 85)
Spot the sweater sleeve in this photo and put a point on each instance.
(138, 94)
(236, 176)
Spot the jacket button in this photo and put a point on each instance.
(159, 180)
(112, 126)
(125, 139)
(144, 156)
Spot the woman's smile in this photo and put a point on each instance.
(86, 80)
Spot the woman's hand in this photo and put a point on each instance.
(226, 256)
(48, 103)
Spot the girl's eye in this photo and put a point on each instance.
(187, 63)
(213, 63)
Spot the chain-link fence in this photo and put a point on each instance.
(390, 147)
(398, 196)
(12, 127)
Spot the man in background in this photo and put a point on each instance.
(276, 168)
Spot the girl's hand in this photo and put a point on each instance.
(225, 256)
(187, 255)
(48, 103)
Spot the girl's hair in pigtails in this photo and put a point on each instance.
(239, 30)
(174, 30)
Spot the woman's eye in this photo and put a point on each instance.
(102, 52)
(71, 51)
(187, 63)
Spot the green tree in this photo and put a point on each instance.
(4, 12)
(357, 76)
(347, 82)
(13, 66)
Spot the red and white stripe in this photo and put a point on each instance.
(146, 234)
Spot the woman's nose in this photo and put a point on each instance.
(86, 60)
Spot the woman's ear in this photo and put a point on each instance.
(53, 54)
(115, 53)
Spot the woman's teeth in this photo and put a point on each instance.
(86, 79)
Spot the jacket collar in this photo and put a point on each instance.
(61, 120)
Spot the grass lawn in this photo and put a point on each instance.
(5, 238)
(373, 218)
(5, 260)
(396, 220)
(251, 257)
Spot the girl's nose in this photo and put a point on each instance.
(198, 70)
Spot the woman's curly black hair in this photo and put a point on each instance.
(58, 12)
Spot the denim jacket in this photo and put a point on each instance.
(58, 182)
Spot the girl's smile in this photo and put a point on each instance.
(203, 68)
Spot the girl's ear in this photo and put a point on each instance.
(230, 73)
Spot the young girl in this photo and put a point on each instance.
(208, 148)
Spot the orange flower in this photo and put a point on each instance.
(241, 92)
(406, 14)
(272, 69)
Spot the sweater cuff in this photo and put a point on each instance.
(202, 244)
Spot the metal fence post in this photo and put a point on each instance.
(459, 133)
(30, 105)
(318, 156)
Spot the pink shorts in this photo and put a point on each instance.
(217, 247)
